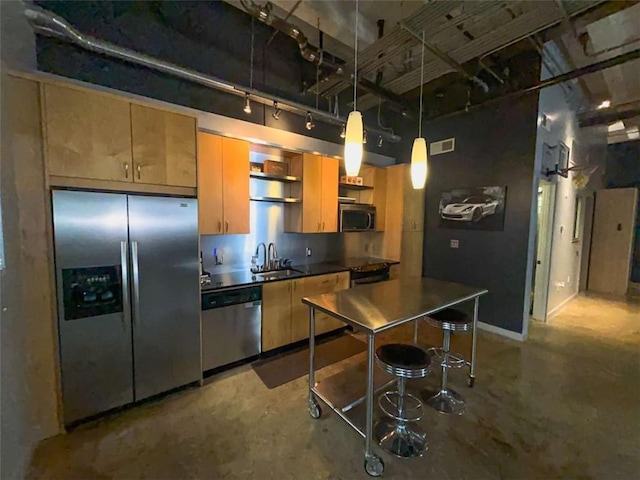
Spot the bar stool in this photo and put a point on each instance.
(393, 433)
(449, 320)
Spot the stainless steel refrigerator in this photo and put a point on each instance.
(127, 271)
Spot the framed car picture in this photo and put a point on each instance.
(476, 208)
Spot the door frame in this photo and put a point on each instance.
(544, 243)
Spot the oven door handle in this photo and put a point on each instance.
(372, 279)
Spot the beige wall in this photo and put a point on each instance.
(29, 409)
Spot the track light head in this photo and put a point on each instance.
(276, 111)
(247, 104)
(380, 141)
(343, 133)
(309, 123)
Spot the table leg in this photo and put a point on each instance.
(472, 373)
(314, 407)
(373, 464)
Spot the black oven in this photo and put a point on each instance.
(366, 275)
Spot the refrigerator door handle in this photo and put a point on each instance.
(124, 265)
(135, 274)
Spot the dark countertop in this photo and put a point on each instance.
(245, 278)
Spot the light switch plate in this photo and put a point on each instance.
(454, 243)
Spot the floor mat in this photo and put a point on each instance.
(282, 369)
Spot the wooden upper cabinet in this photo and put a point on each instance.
(164, 147)
(223, 185)
(318, 191)
(329, 197)
(235, 191)
(311, 194)
(210, 210)
(87, 135)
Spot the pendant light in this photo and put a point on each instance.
(354, 130)
(419, 150)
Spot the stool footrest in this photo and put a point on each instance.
(412, 410)
(456, 360)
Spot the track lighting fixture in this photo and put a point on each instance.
(380, 141)
(247, 104)
(276, 111)
(343, 133)
(364, 137)
(309, 124)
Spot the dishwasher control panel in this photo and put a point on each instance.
(211, 300)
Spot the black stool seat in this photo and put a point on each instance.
(450, 319)
(404, 360)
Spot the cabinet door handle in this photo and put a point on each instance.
(138, 169)
(289, 287)
(323, 226)
(318, 226)
(126, 170)
(219, 226)
(226, 226)
(294, 286)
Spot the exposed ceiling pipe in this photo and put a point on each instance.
(446, 59)
(565, 77)
(316, 55)
(47, 23)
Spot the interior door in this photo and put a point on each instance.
(90, 232)
(163, 234)
(612, 240)
(330, 174)
(235, 191)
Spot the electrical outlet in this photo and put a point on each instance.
(569, 280)
(307, 251)
(454, 243)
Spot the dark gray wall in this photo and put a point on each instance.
(494, 146)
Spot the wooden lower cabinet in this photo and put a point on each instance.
(314, 286)
(276, 314)
(285, 319)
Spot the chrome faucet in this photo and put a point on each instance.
(273, 255)
(263, 267)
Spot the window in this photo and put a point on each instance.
(578, 218)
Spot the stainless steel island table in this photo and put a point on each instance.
(372, 309)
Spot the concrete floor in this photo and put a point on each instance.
(565, 404)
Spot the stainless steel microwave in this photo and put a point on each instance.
(356, 217)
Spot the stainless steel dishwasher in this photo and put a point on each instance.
(231, 326)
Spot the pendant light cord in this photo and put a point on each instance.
(252, 40)
(355, 74)
(421, 86)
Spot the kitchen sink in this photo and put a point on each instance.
(277, 274)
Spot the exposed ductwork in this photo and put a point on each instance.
(47, 23)
(317, 55)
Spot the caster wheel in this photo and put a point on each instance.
(374, 466)
(314, 410)
(471, 381)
